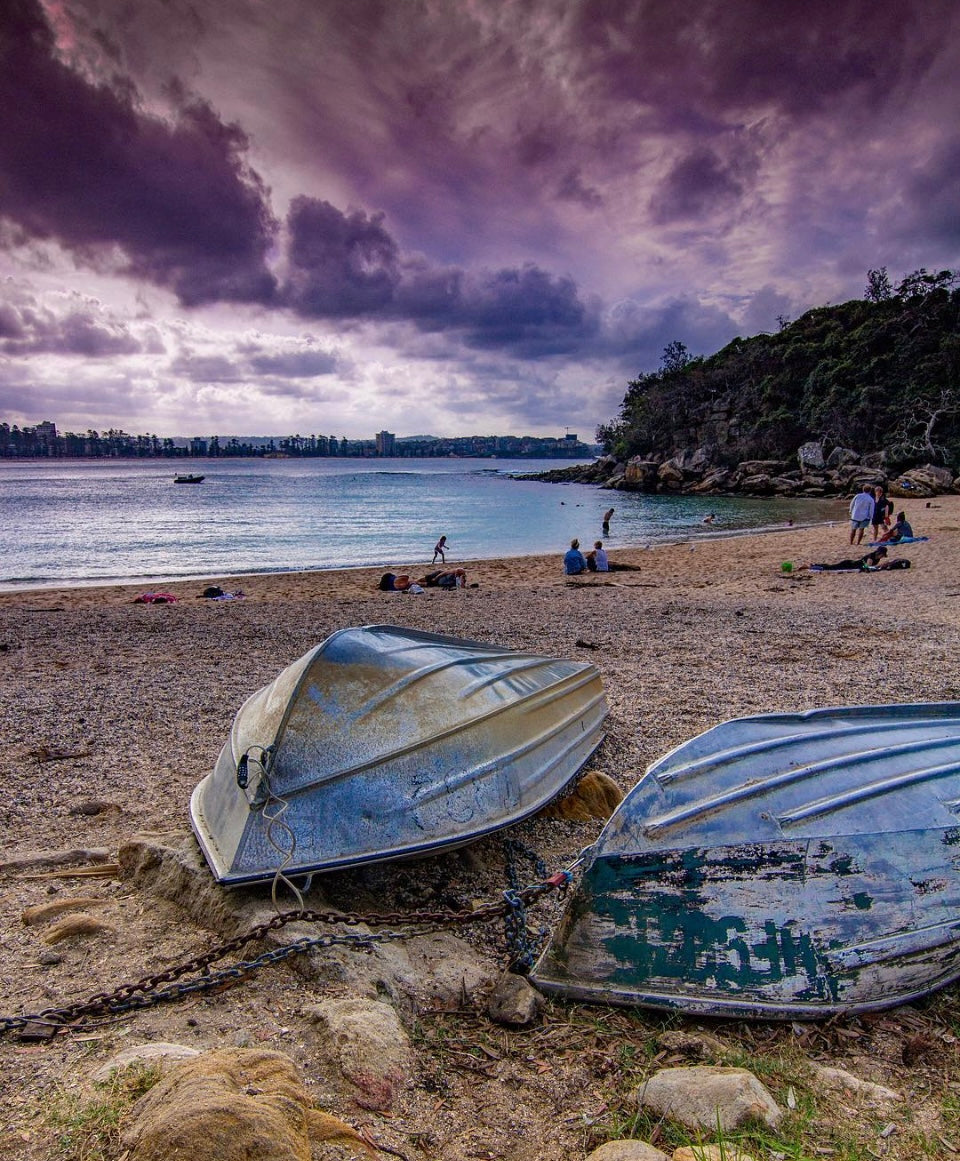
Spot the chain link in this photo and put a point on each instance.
(162, 987)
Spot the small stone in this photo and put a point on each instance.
(627, 1151)
(514, 1001)
(49, 958)
(711, 1153)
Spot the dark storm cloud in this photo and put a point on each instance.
(697, 184)
(340, 264)
(347, 265)
(81, 164)
(931, 205)
(716, 58)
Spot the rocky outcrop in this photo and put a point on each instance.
(814, 473)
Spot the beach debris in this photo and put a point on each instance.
(368, 1045)
(231, 1104)
(101, 871)
(709, 1097)
(43, 912)
(71, 925)
(56, 858)
(47, 754)
(596, 795)
(155, 599)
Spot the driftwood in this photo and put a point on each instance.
(48, 754)
(71, 925)
(100, 871)
(44, 911)
(56, 858)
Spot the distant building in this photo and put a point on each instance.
(386, 443)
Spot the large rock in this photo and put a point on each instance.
(231, 1105)
(368, 1044)
(842, 457)
(708, 1097)
(640, 473)
(810, 456)
(670, 475)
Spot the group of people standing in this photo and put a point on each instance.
(871, 506)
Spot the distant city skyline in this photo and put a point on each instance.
(44, 440)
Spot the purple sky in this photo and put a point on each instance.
(337, 216)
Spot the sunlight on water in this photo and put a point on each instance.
(102, 521)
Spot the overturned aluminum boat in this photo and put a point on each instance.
(383, 743)
(785, 866)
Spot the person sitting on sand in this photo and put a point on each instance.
(452, 578)
(597, 558)
(899, 531)
(864, 564)
(574, 562)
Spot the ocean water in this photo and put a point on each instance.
(110, 521)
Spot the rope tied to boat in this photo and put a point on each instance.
(170, 985)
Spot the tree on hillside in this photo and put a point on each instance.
(878, 285)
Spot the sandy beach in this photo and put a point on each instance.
(112, 711)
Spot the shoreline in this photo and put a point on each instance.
(715, 533)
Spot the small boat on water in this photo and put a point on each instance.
(382, 743)
(187, 478)
(784, 866)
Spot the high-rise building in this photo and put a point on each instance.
(386, 443)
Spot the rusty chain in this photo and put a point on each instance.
(162, 987)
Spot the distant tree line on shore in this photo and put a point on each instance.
(879, 375)
(43, 441)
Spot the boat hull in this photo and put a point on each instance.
(387, 743)
(785, 866)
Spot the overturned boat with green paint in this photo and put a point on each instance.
(784, 866)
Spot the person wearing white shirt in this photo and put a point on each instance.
(861, 513)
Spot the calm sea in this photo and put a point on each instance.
(102, 521)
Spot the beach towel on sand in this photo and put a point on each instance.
(155, 599)
(903, 540)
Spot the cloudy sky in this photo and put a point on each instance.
(444, 216)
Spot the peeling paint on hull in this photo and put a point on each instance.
(784, 866)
